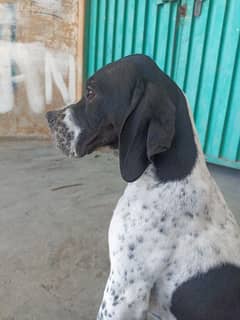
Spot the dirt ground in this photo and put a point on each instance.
(54, 218)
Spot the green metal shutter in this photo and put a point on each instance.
(117, 28)
(201, 53)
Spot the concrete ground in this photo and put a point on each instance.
(54, 218)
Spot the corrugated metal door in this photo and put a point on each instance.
(207, 68)
(196, 42)
(116, 28)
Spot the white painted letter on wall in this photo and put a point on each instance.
(55, 68)
(38, 67)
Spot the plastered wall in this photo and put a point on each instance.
(40, 66)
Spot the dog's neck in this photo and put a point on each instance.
(178, 162)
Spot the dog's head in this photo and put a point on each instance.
(128, 104)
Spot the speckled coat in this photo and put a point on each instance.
(161, 235)
(174, 245)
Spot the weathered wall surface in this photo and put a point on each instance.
(39, 67)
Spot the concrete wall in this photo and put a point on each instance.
(40, 61)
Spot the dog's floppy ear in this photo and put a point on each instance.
(148, 130)
(161, 128)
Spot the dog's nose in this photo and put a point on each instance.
(51, 118)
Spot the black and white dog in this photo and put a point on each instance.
(174, 244)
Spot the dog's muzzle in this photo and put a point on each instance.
(64, 131)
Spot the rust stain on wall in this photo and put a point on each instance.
(38, 67)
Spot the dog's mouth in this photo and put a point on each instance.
(75, 142)
(88, 143)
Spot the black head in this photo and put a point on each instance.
(131, 105)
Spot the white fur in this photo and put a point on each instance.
(76, 130)
(161, 235)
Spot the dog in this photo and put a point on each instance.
(174, 244)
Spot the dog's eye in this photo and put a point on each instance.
(90, 93)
